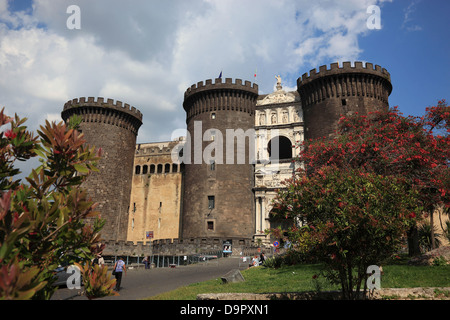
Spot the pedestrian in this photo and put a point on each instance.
(262, 259)
(147, 262)
(119, 268)
(99, 260)
(255, 261)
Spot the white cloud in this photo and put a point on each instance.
(146, 53)
(408, 19)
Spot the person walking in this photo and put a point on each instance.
(119, 268)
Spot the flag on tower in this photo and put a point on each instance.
(220, 75)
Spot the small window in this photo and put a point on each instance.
(344, 102)
(144, 169)
(213, 115)
(152, 168)
(211, 202)
(167, 168)
(138, 170)
(210, 225)
(212, 165)
(160, 168)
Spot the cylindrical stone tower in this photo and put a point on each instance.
(218, 197)
(114, 128)
(330, 93)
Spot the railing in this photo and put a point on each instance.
(165, 261)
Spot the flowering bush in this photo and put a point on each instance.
(359, 192)
(352, 219)
(387, 143)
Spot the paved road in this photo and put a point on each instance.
(141, 283)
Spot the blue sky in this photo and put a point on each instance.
(415, 50)
(21, 5)
(146, 53)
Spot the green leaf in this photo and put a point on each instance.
(39, 152)
(81, 168)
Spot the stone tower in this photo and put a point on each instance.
(218, 199)
(114, 128)
(330, 93)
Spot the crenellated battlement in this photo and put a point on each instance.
(100, 111)
(175, 246)
(218, 84)
(100, 102)
(346, 68)
(331, 92)
(226, 96)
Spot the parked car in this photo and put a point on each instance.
(61, 276)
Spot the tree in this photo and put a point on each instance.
(351, 219)
(387, 143)
(378, 171)
(42, 219)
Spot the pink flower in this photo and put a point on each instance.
(10, 134)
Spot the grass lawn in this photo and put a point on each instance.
(299, 278)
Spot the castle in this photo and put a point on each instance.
(216, 184)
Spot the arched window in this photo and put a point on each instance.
(160, 168)
(152, 168)
(174, 167)
(167, 168)
(280, 148)
(138, 170)
(144, 169)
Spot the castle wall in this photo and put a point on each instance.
(153, 205)
(156, 194)
(173, 247)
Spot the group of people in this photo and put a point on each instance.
(258, 262)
